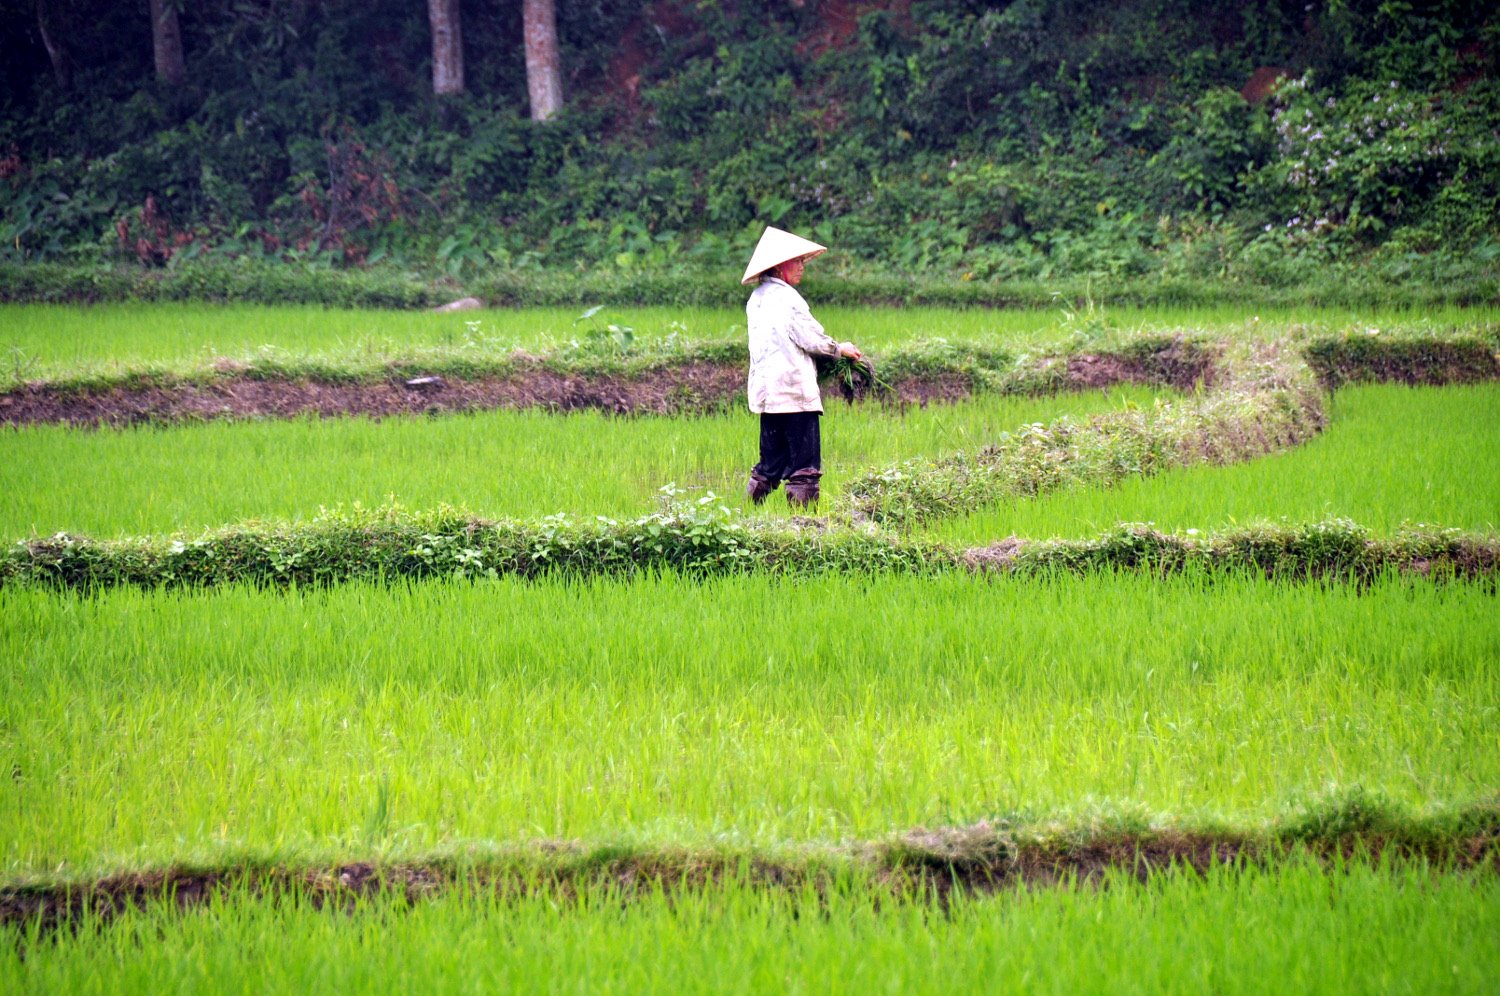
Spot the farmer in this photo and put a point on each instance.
(783, 385)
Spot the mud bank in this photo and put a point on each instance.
(922, 866)
(679, 389)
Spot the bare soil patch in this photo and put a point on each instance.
(1181, 365)
(998, 556)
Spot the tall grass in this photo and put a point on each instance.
(516, 463)
(153, 728)
(38, 341)
(1390, 455)
(1299, 928)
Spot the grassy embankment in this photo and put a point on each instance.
(1439, 281)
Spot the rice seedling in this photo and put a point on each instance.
(854, 378)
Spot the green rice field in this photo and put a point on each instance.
(498, 463)
(148, 727)
(1391, 455)
(40, 341)
(760, 715)
(1355, 931)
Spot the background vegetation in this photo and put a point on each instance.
(1025, 141)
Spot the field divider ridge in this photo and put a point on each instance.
(705, 540)
(243, 280)
(675, 376)
(1262, 398)
(658, 378)
(1341, 830)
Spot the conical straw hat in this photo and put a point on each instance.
(775, 247)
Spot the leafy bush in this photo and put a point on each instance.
(1026, 142)
(1380, 156)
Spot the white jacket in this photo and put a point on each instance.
(784, 338)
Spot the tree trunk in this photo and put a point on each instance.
(166, 43)
(543, 72)
(447, 47)
(55, 53)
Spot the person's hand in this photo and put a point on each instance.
(850, 350)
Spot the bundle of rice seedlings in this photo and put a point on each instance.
(855, 378)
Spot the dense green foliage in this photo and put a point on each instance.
(1014, 142)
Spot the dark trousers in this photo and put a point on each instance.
(791, 450)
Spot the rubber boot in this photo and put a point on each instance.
(802, 487)
(760, 486)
